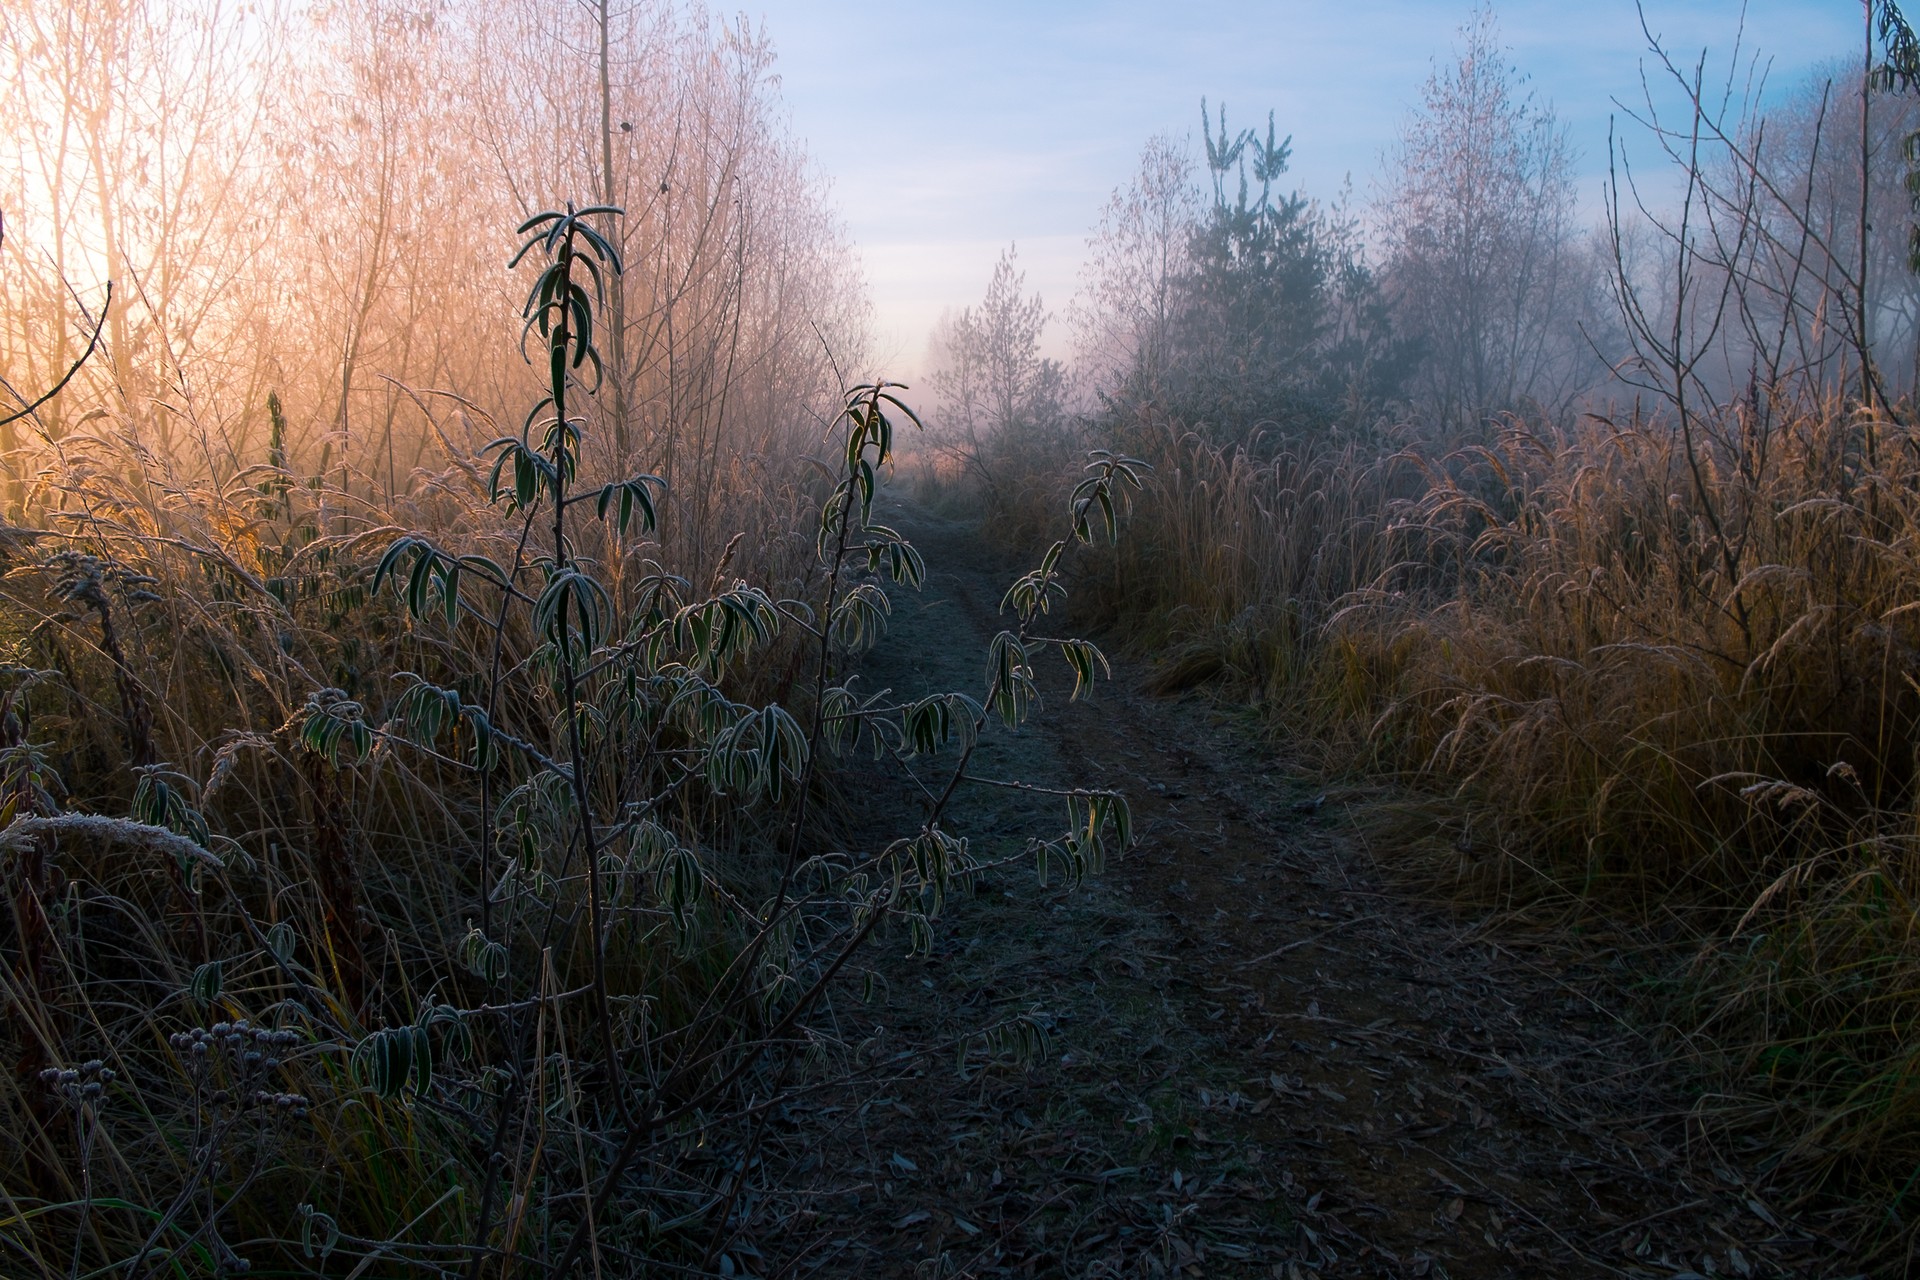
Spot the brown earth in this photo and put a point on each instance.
(1263, 1058)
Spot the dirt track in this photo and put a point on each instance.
(1262, 1061)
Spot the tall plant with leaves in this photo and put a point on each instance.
(605, 713)
(507, 1033)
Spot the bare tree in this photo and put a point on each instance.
(1477, 219)
(1785, 268)
(307, 202)
(991, 381)
(1124, 314)
(1814, 168)
(135, 137)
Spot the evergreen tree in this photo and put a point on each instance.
(1279, 319)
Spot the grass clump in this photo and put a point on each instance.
(1676, 698)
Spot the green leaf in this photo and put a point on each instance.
(393, 1059)
(205, 985)
(1010, 687)
(582, 323)
(483, 958)
(319, 1233)
(450, 590)
(1083, 657)
(417, 584)
(538, 219)
(388, 562)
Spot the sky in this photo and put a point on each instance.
(949, 131)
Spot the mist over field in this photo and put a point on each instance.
(948, 640)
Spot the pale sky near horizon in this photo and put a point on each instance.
(949, 130)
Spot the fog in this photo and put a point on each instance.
(1011, 125)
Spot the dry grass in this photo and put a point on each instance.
(166, 642)
(1674, 693)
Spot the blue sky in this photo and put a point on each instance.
(951, 130)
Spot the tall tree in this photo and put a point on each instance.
(1477, 220)
(1123, 315)
(1254, 302)
(990, 378)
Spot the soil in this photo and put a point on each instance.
(1262, 1057)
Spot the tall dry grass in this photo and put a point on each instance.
(168, 643)
(1239, 556)
(1674, 682)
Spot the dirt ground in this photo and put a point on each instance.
(1261, 1058)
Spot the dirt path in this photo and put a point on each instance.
(1262, 1060)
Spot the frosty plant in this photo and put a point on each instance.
(655, 910)
(539, 1030)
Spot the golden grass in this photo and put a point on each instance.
(1682, 693)
(230, 604)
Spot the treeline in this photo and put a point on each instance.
(310, 204)
(1469, 287)
(1599, 534)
